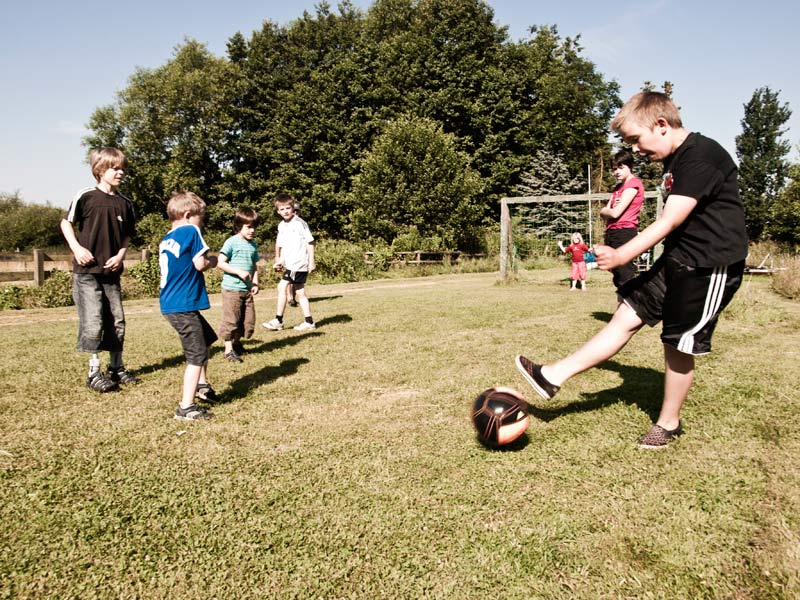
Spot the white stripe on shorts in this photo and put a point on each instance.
(716, 291)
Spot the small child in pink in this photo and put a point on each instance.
(577, 248)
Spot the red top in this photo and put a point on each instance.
(577, 251)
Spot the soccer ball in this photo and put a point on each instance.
(500, 416)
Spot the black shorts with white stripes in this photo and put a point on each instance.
(686, 299)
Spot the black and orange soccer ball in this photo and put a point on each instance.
(500, 416)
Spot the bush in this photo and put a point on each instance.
(786, 282)
(339, 261)
(27, 226)
(54, 292)
(142, 280)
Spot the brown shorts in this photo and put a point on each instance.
(238, 316)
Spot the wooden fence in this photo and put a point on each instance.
(34, 269)
(423, 257)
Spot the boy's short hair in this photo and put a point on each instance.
(245, 216)
(622, 158)
(182, 202)
(645, 108)
(102, 159)
(284, 198)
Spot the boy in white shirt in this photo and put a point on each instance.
(294, 253)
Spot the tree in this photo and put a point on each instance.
(414, 177)
(173, 124)
(762, 157)
(784, 223)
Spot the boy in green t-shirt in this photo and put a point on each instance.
(238, 258)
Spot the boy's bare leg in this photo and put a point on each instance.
(191, 377)
(282, 286)
(302, 300)
(605, 344)
(678, 377)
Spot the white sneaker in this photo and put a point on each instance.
(275, 325)
(304, 326)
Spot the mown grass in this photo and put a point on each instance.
(344, 465)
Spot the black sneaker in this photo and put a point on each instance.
(533, 374)
(206, 393)
(123, 376)
(99, 382)
(192, 413)
(658, 437)
(233, 357)
(238, 348)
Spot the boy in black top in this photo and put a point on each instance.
(705, 245)
(105, 222)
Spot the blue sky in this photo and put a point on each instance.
(61, 60)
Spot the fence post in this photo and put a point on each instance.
(145, 254)
(38, 267)
(505, 222)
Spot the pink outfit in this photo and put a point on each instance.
(578, 264)
(630, 218)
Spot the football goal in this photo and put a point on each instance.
(535, 224)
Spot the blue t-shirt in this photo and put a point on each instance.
(183, 288)
(242, 254)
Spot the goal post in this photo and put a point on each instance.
(552, 216)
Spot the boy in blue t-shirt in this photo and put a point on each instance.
(182, 258)
(237, 259)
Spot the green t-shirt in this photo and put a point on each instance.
(242, 254)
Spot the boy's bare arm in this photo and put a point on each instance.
(676, 210)
(622, 203)
(82, 255)
(204, 262)
(225, 266)
(311, 262)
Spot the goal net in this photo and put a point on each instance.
(532, 226)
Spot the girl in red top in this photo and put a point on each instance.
(622, 211)
(577, 248)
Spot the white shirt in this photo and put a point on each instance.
(293, 238)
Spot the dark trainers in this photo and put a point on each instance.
(123, 376)
(658, 437)
(533, 374)
(99, 382)
(206, 393)
(192, 413)
(233, 357)
(238, 348)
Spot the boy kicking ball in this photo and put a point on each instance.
(705, 246)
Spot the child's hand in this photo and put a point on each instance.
(83, 257)
(312, 266)
(278, 266)
(244, 275)
(607, 257)
(254, 289)
(113, 264)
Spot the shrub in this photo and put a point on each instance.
(341, 261)
(11, 297)
(27, 226)
(142, 280)
(54, 292)
(786, 282)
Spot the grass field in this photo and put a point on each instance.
(344, 465)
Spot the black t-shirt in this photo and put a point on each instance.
(104, 224)
(714, 233)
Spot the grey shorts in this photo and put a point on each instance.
(195, 333)
(101, 320)
(686, 299)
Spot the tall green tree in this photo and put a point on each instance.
(762, 153)
(415, 177)
(172, 123)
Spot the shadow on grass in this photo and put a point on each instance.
(323, 298)
(515, 446)
(601, 315)
(241, 387)
(641, 387)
